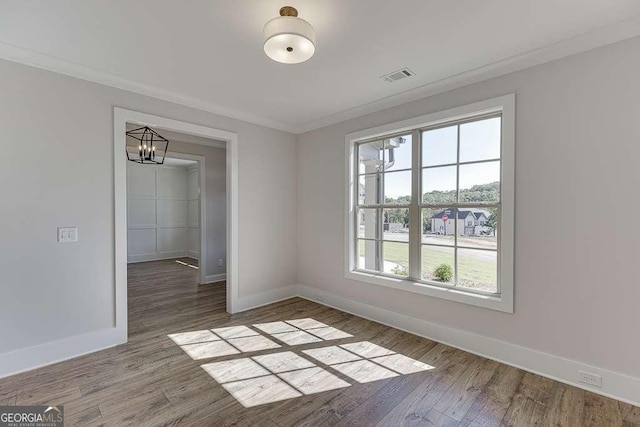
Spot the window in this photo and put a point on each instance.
(433, 208)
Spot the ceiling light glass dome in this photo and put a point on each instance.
(289, 39)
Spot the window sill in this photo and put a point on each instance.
(503, 303)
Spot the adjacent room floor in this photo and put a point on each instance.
(290, 363)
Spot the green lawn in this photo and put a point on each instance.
(476, 269)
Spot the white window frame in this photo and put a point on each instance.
(504, 105)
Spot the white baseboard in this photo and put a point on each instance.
(29, 358)
(614, 384)
(266, 298)
(213, 278)
(193, 254)
(132, 259)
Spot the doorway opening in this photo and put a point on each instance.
(182, 213)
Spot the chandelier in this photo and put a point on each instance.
(145, 145)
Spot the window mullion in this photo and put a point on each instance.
(455, 224)
(415, 217)
(379, 237)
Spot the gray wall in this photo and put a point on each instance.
(56, 169)
(577, 151)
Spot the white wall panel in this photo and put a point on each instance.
(193, 191)
(141, 181)
(156, 212)
(172, 183)
(172, 213)
(141, 212)
(141, 242)
(193, 243)
(172, 240)
(193, 213)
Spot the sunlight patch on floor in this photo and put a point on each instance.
(243, 339)
(186, 264)
(301, 331)
(207, 350)
(272, 377)
(365, 361)
(282, 375)
(193, 337)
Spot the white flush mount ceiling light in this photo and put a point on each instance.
(289, 39)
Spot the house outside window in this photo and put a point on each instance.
(434, 206)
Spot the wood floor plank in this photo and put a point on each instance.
(566, 407)
(630, 413)
(59, 394)
(151, 380)
(435, 418)
(89, 416)
(8, 400)
(528, 406)
(328, 414)
(491, 405)
(457, 401)
(601, 411)
(312, 409)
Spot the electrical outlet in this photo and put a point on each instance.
(220, 262)
(590, 379)
(67, 234)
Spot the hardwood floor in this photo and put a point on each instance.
(176, 370)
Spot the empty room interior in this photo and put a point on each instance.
(319, 213)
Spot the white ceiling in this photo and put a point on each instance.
(208, 54)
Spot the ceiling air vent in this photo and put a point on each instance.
(398, 75)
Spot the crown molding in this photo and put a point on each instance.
(588, 41)
(600, 37)
(61, 66)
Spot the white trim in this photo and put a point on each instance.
(233, 236)
(202, 218)
(614, 384)
(505, 301)
(266, 298)
(27, 359)
(193, 254)
(214, 278)
(123, 116)
(600, 37)
(120, 222)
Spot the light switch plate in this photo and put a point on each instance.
(67, 234)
